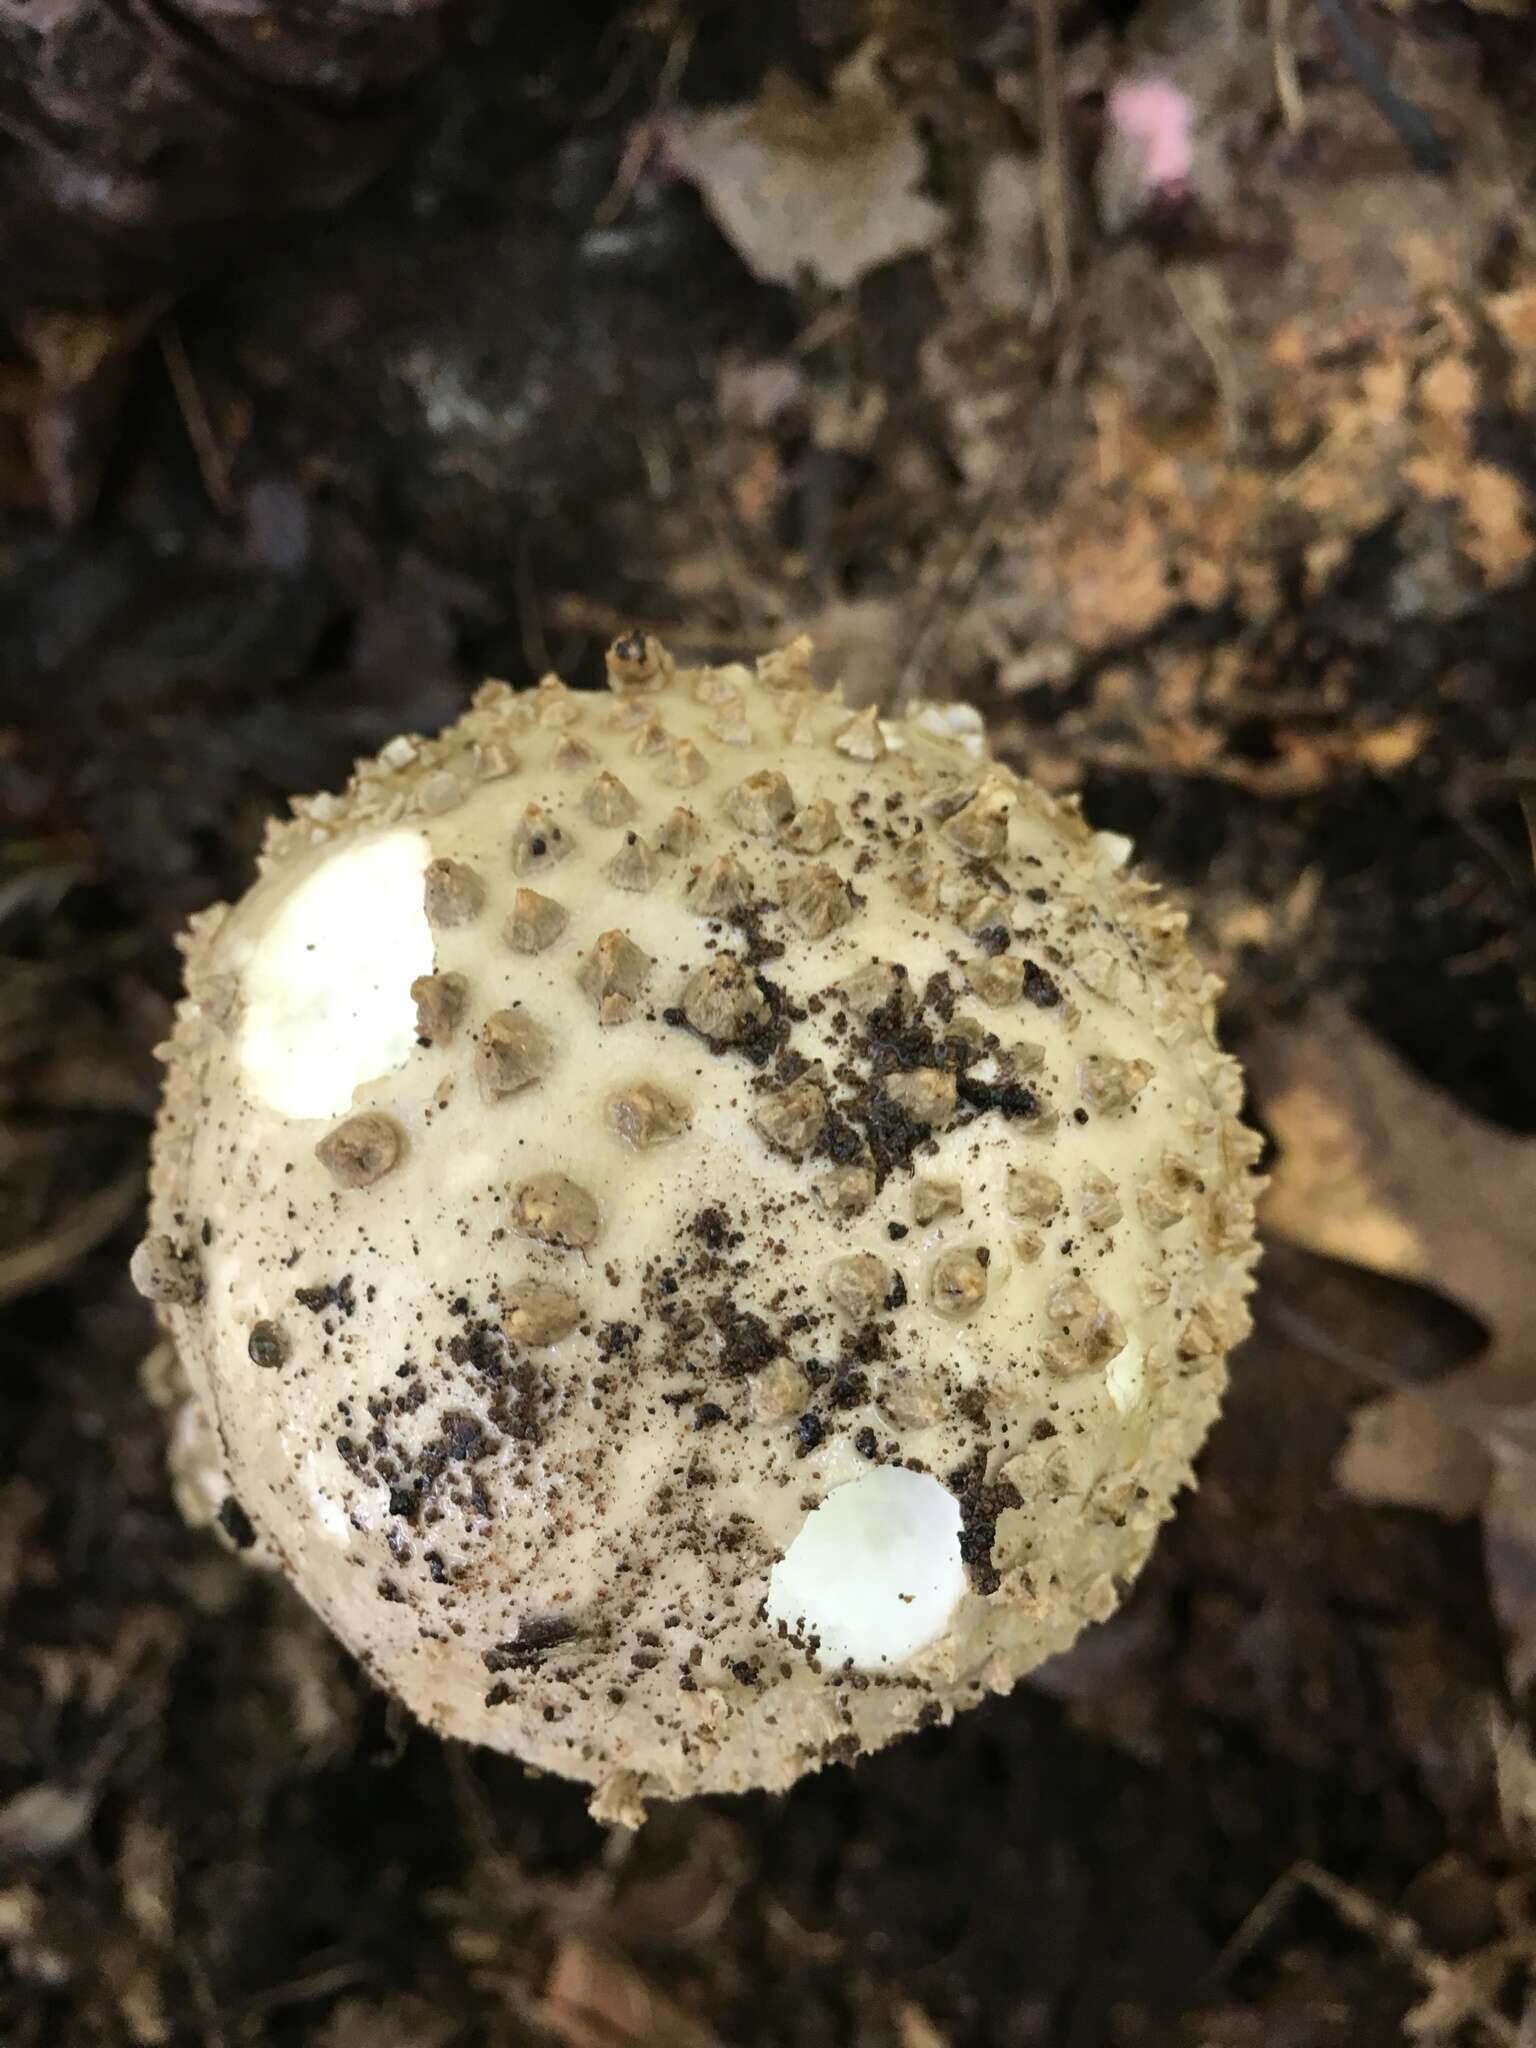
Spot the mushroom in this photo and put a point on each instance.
(661, 1205)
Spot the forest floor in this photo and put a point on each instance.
(1161, 379)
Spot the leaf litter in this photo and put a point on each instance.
(1236, 529)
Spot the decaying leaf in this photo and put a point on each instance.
(1379, 1169)
(595, 1999)
(914, 2029)
(1404, 1451)
(809, 186)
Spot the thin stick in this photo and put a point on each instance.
(642, 139)
(1282, 58)
(211, 462)
(1424, 143)
(1056, 190)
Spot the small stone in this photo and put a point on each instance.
(818, 900)
(1098, 1204)
(535, 1313)
(439, 1000)
(165, 1274)
(957, 1284)
(553, 1209)
(1109, 1086)
(683, 768)
(723, 1001)
(267, 1345)
(681, 832)
(932, 1197)
(792, 1120)
(762, 803)
(538, 842)
(998, 982)
(861, 738)
(858, 1285)
(874, 987)
(637, 661)
(721, 888)
(645, 1115)
(608, 802)
(813, 829)
(613, 974)
(574, 757)
(536, 922)
(846, 1190)
(512, 1054)
(1032, 1194)
(454, 893)
(926, 1093)
(981, 827)
(634, 867)
(361, 1150)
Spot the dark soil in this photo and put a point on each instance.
(474, 422)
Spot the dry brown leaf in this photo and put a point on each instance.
(1381, 1170)
(1509, 1545)
(1405, 1452)
(807, 186)
(1378, 1168)
(593, 1998)
(1514, 1777)
(914, 2029)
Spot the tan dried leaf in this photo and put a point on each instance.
(594, 1998)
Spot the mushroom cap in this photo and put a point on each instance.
(754, 1308)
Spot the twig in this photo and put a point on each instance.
(1282, 59)
(1425, 145)
(1055, 188)
(1393, 1933)
(79, 1231)
(1197, 291)
(644, 136)
(212, 464)
(530, 618)
(938, 626)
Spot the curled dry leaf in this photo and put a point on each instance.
(802, 185)
(1379, 1169)
(593, 1998)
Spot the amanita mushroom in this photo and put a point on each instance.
(707, 1227)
